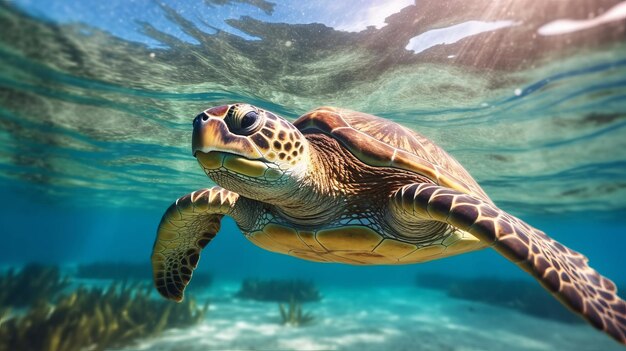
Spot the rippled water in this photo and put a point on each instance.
(97, 98)
(538, 120)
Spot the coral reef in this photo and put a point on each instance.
(524, 296)
(94, 319)
(293, 315)
(278, 290)
(34, 282)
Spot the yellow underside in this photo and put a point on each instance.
(356, 245)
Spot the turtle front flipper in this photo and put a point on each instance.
(187, 226)
(562, 271)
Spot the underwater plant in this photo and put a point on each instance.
(278, 290)
(293, 315)
(519, 295)
(95, 319)
(34, 282)
(5, 312)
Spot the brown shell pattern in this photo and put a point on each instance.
(380, 142)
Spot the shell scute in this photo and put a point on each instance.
(383, 143)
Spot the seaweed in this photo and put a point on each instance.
(95, 319)
(278, 290)
(524, 296)
(293, 315)
(5, 313)
(34, 282)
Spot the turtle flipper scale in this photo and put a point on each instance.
(562, 271)
(187, 226)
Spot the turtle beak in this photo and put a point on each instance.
(210, 133)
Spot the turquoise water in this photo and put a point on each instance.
(97, 99)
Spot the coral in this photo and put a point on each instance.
(96, 319)
(293, 315)
(278, 290)
(524, 296)
(32, 283)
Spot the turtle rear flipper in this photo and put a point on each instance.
(186, 228)
(562, 271)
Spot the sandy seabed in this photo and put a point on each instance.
(389, 318)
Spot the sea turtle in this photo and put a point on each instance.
(348, 187)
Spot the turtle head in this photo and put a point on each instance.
(249, 150)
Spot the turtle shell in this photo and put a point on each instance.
(380, 142)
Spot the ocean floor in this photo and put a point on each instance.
(389, 318)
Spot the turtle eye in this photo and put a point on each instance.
(249, 119)
(244, 123)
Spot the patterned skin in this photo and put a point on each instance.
(343, 186)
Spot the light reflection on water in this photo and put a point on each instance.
(538, 120)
